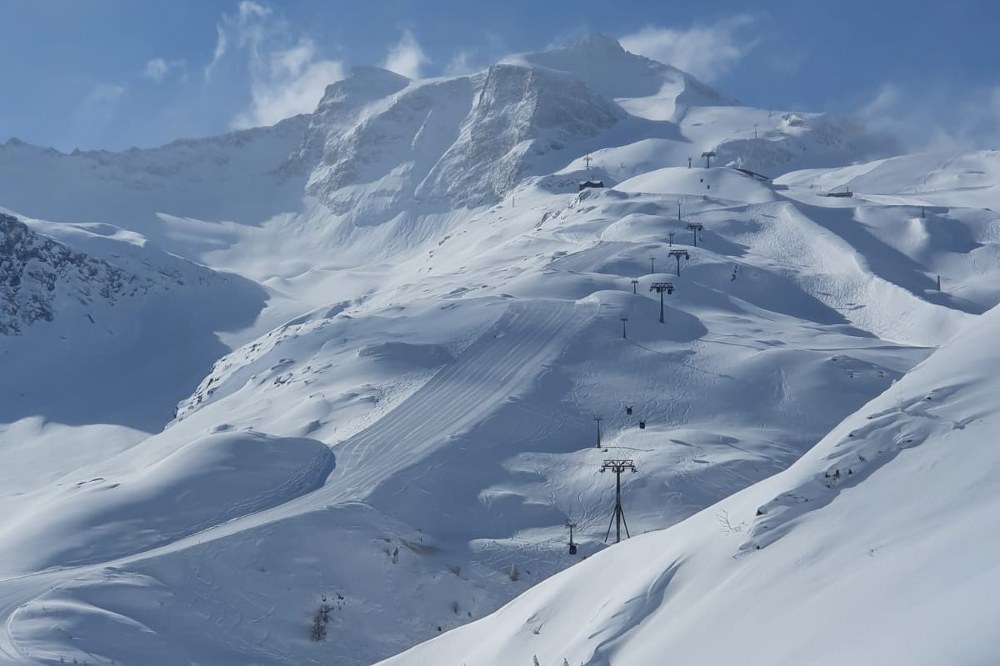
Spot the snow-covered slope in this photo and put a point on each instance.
(386, 404)
(459, 413)
(923, 179)
(874, 548)
(39, 277)
(97, 329)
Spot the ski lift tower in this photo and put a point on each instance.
(618, 518)
(708, 155)
(696, 228)
(661, 287)
(677, 254)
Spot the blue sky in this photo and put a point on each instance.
(117, 73)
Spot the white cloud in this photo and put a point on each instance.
(460, 63)
(886, 98)
(248, 26)
(95, 116)
(406, 57)
(936, 117)
(287, 74)
(287, 83)
(221, 46)
(158, 68)
(102, 100)
(707, 52)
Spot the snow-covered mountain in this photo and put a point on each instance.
(362, 383)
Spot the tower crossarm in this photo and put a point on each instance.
(619, 466)
(661, 287)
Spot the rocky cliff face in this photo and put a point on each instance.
(519, 114)
(36, 272)
(464, 140)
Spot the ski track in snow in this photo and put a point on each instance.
(455, 398)
(492, 369)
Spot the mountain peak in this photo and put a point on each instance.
(607, 68)
(364, 84)
(596, 42)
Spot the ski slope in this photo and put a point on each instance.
(923, 179)
(492, 370)
(861, 552)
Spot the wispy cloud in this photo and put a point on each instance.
(288, 82)
(706, 51)
(158, 68)
(102, 100)
(287, 72)
(460, 63)
(247, 26)
(95, 115)
(406, 57)
(936, 117)
(466, 62)
(490, 48)
(221, 47)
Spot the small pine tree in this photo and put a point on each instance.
(320, 620)
(318, 628)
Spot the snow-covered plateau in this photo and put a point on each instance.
(319, 392)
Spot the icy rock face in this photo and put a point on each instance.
(340, 107)
(343, 99)
(465, 140)
(35, 271)
(374, 166)
(519, 113)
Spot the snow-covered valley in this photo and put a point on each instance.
(354, 362)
